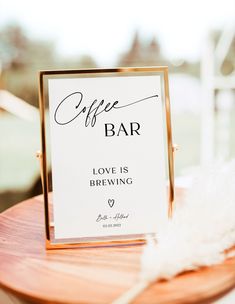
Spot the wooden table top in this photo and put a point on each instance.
(97, 275)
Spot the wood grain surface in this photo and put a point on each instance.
(89, 275)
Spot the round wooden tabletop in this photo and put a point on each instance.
(91, 275)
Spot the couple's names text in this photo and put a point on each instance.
(117, 217)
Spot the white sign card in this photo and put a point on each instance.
(108, 154)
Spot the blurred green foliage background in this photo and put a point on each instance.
(22, 57)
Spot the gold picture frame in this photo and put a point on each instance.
(51, 243)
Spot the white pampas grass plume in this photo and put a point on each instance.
(200, 232)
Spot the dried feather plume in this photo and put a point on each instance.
(200, 232)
